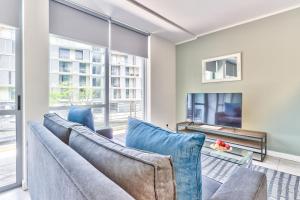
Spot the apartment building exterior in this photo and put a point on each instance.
(126, 87)
(77, 76)
(76, 73)
(7, 69)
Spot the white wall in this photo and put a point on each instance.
(35, 65)
(162, 83)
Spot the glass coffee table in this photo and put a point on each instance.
(238, 156)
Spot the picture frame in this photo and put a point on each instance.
(222, 68)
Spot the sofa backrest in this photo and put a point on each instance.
(55, 171)
(59, 126)
(144, 175)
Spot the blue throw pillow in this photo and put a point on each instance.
(185, 150)
(82, 116)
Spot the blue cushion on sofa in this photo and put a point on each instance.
(185, 150)
(82, 116)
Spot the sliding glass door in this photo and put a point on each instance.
(10, 109)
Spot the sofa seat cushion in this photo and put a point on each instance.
(244, 184)
(209, 187)
(60, 127)
(145, 176)
(185, 151)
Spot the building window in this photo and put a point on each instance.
(64, 53)
(127, 82)
(130, 82)
(64, 66)
(127, 93)
(7, 61)
(78, 54)
(97, 55)
(130, 94)
(7, 46)
(64, 80)
(97, 70)
(82, 81)
(118, 59)
(115, 82)
(132, 71)
(83, 68)
(117, 93)
(96, 82)
(115, 70)
(86, 54)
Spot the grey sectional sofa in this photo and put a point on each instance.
(69, 161)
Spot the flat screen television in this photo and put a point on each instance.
(223, 109)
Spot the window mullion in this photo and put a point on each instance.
(107, 75)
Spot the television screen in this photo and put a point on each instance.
(224, 109)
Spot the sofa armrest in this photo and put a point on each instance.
(244, 184)
(106, 132)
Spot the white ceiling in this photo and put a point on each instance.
(197, 16)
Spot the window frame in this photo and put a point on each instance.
(107, 65)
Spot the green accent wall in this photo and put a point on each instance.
(270, 82)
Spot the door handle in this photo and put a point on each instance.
(19, 102)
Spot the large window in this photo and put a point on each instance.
(71, 80)
(100, 65)
(126, 89)
(79, 80)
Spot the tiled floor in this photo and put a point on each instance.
(279, 164)
(15, 194)
(7, 164)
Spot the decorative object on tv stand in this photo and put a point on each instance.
(220, 145)
(223, 68)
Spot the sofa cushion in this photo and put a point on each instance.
(185, 150)
(57, 172)
(59, 126)
(143, 175)
(82, 116)
(244, 184)
(209, 187)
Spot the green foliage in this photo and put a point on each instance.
(64, 92)
(85, 94)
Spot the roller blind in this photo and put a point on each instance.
(10, 12)
(70, 22)
(128, 41)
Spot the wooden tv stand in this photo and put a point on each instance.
(255, 141)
